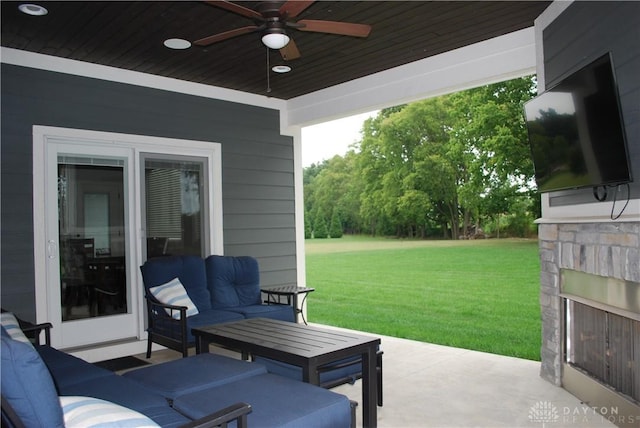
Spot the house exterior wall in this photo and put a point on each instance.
(258, 165)
(581, 240)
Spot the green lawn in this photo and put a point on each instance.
(480, 295)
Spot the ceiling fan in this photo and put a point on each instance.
(273, 19)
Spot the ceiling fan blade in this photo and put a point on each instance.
(236, 8)
(293, 8)
(334, 27)
(290, 51)
(206, 41)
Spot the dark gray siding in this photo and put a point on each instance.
(582, 33)
(258, 182)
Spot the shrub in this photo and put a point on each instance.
(335, 228)
(320, 230)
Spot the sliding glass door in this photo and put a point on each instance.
(105, 208)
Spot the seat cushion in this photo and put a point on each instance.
(188, 269)
(166, 416)
(68, 370)
(76, 377)
(192, 374)
(162, 415)
(233, 281)
(27, 385)
(167, 327)
(275, 401)
(348, 373)
(118, 390)
(212, 316)
(276, 312)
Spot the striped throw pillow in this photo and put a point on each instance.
(89, 412)
(11, 326)
(173, 293)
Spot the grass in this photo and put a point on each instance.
(481, 295)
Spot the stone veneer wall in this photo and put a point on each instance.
(609, 249)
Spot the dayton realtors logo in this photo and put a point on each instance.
(545, 412)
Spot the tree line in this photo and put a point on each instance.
(455, 166)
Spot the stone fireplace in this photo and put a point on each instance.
(590, 301)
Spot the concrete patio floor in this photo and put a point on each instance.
(427, 385)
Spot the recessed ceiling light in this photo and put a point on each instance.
(32, 9)
(281, 68)
(177, 44)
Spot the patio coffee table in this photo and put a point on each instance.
(305, 346)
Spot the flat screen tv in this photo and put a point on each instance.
(576, 131)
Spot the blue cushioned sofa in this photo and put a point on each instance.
(201, 391)
(222, 288)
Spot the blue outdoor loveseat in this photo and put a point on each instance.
(224, 289)
(218, 289)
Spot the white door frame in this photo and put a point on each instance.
(43, 136)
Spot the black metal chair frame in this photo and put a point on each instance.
(32, 331)
(158, 321)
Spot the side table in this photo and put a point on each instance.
(291, 292)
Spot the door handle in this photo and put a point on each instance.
(52, 249)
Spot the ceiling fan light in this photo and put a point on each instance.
(281, 68)
(177, 44)
(275, 40)
(33, 9)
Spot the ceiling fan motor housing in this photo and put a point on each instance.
(269, 9)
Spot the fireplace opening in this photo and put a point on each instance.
(601, 343)
(605, 346)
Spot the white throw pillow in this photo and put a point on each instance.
(11, 326)
(173, 293)
(87, 412)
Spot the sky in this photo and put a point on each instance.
(325, 140)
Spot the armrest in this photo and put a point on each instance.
(153, 302)
(238, 412)
(165, 330)
(34, 330)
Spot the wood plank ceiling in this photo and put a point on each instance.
(130, 35)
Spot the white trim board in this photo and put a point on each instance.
(494, 60)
